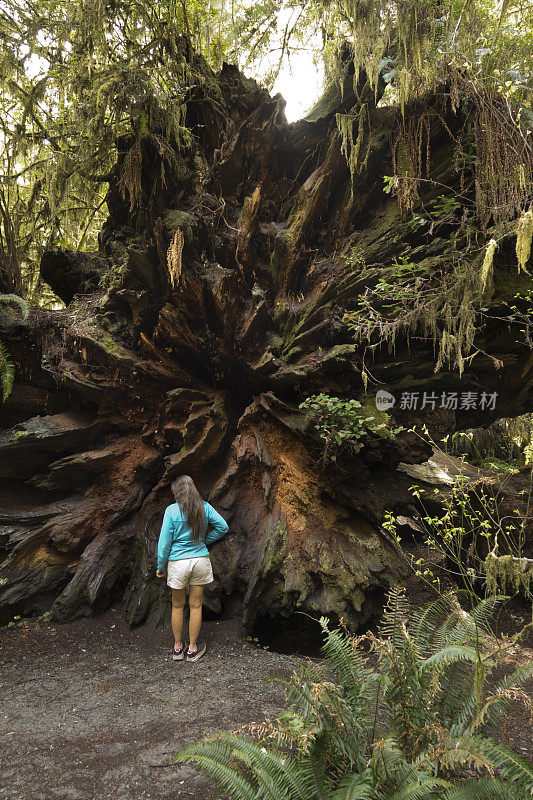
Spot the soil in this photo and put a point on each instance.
(93, 710)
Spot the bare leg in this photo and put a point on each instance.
(196, 595)
(178, 604)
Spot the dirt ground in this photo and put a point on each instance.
(92, 710)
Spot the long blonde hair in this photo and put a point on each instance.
(191, 504)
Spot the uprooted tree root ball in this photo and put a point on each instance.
(234, 265)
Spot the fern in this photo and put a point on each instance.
(422, 786)
(405, 731)
(504, 696)
(512, 767)
(314, 769)
(426, 621)
(215, 760)
(7, 372)
(14, 299)
(449, 655)
(480, 789)
(7, 368)
(355, 787)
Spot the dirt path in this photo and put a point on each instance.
(93, 710)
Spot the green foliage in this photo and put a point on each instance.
(7, 368)
(7, 372)
(23, 622)
(470, 526)
(395, 286)
(340, 424)
(15, 300)
(74, 77)
(413, 726)
(254, 640)
(445, 207)
(471, 537)
(505, 444)
(441, 299)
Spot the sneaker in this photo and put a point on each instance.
(197, 653)
(178, 653)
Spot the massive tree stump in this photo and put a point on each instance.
(217, 302)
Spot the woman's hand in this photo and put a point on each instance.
(160, 573)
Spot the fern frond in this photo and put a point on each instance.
(465, 750)
(313, 769)
(7, 372)
(420, 786)
(511, 767)
(341, 650)
(214, 758)
(306, 698)
(481, 789)
(462, 627)
(396, 615)
(426, 621)
(491, 713)
(457, 695)
(277, 775)
(448, 632)
(485, 610)
(516, 679)
(387, 756)
(14, 299)
(355, 787)
(449, 655)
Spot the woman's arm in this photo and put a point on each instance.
(218, 525)
(165, 541)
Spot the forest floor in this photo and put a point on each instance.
(92, 710)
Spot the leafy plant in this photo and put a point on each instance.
(445, 207)
(339, 423)
(256, 642)
(416, 726)
(7, 368)
(468, 537)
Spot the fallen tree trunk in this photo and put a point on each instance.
(223, 294)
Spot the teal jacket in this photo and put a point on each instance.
(175, 539)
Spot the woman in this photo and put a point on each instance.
(189, 525)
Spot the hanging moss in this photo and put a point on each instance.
(524, 236)
(507, 572)
(487, 268)
(351, 145)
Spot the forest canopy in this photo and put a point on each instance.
(75, 76)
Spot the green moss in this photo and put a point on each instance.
(503, 572)
(509, 283)
(175, 219)
(105, 340)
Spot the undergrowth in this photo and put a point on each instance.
(7, 367)
(409, 713)
(342, 424)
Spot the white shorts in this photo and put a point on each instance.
(195, 571)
